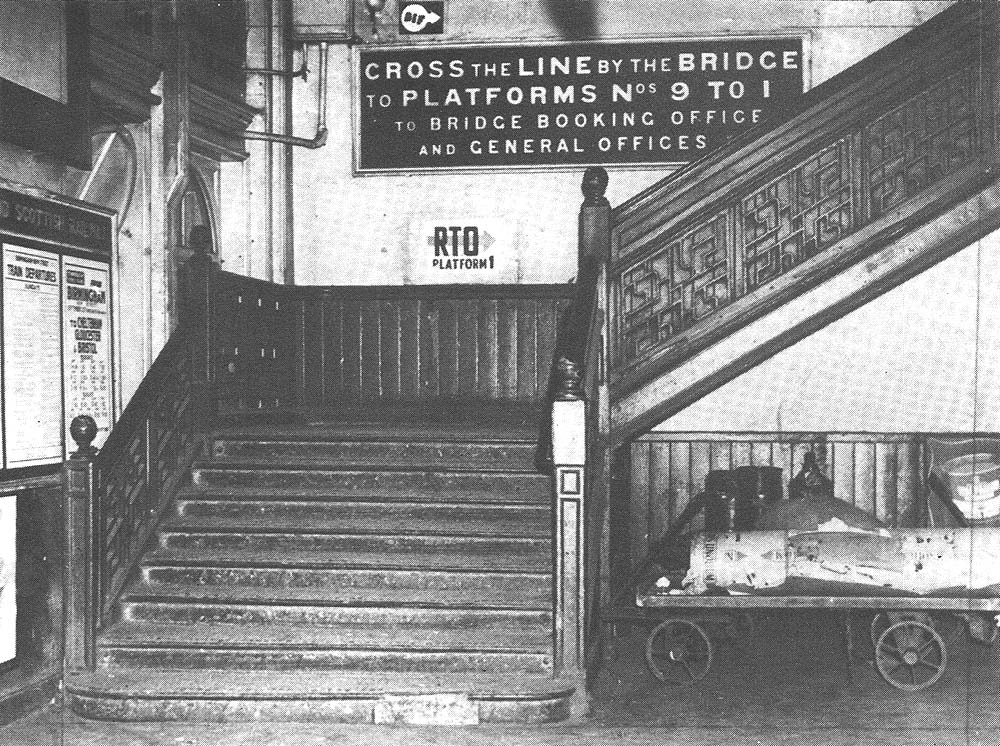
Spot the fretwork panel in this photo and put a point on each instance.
(681, 283)
(797, 215)
(922, 141)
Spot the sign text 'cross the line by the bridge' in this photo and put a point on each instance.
(656, 102)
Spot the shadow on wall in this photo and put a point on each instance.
(575, 19)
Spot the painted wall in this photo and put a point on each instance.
(364, 230)
(924, 357)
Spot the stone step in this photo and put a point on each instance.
(325, 549)
(397, 517)
(211, 622)
(370, 453)
(324, 659)
(496, 487)
(274, 582)
(225, 695)
(391, 549)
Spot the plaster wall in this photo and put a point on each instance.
(924, 357)
(362, 230)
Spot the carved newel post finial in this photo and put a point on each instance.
(568, 384)
(595, 183)
(83, 430)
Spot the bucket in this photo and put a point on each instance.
(973, 482)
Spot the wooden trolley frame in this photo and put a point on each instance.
(909, 652)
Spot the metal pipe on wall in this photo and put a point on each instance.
(319, 140)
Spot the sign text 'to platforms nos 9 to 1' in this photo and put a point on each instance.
(604, 103)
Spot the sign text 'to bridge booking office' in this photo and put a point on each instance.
(610, 103)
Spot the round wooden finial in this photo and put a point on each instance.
(569, 386)
(595, 182)
(83, 430)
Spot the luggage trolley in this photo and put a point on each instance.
(909, 634)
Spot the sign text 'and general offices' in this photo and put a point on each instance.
(570, 104)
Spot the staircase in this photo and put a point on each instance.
(385, 572)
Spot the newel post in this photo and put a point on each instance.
(594, 242)
(80, 605)
(568, 456)
(197, 296)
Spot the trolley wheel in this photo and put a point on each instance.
(910, 655)
(679, 651)
(739, 628)
(883, 620)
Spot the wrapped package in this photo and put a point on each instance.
(923, 562)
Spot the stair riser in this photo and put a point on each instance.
(386, 517)
(327, 660)
(367, 586)
(441, 486)
(459, 456)
(399, 547)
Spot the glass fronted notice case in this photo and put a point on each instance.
(56, 325)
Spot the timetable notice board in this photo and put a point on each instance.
(56, 352)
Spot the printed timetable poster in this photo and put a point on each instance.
(87, 345)
(32, 381)
(596, 103)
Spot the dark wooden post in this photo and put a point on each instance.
(81, 602)
(595, 218)
(197, 294)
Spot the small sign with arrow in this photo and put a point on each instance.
(426, 17)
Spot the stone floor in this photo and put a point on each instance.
(788, 685)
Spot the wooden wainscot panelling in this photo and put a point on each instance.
(423, 343)
(880, 473)
(31, 678)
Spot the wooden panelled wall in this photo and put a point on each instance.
(421, 343)
(882, 474)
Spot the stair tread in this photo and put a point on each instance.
(226, 683)
(304, 527)
(229, 636)
(429, 598)
(308, 494)
(356, 560)
(161, 558)
(270, 465)
(320, 463)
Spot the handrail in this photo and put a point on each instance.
(866, 157)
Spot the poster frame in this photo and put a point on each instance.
(63, 247)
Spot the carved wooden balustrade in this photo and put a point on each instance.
(864, 158)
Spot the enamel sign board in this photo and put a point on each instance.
(32, 382)
(576, 104)
(463, 250)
